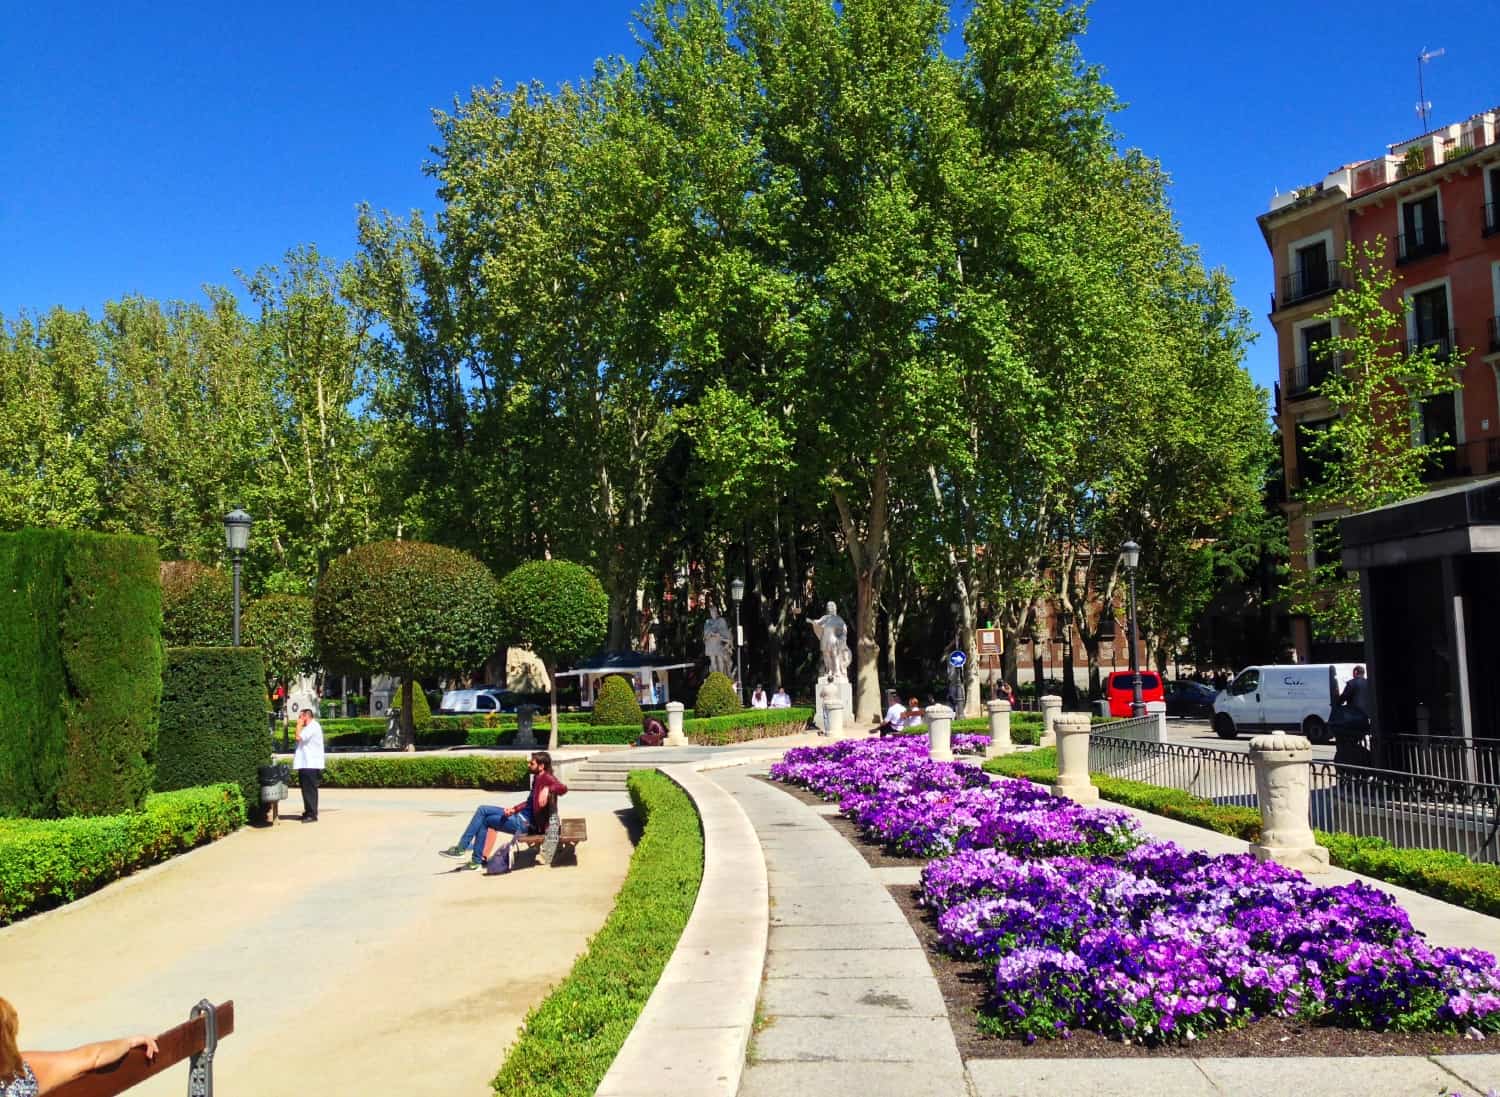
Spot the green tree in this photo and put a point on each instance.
(281, 626)
(197, 605)
(556, 609)
(1368, 453)
(407, 608)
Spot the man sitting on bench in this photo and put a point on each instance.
(528, 817)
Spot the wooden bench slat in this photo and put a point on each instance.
(570, 833)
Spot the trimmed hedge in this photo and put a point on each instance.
(421, 708)
(1450, 877)
(448, 771)
(616, 703)
(571, 1038)
(45, 863)
(213, 720)
(197, 605)
(80, 672)
(716, 697)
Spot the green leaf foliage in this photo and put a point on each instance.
(406, 608)
(568, 1041)
(616, 703)
(213, 720)
(421, 709)
(554, 608)
(716, 696)
(80, 672)
(280, 625)
(47, 863)
(447, 771)
(197, 605)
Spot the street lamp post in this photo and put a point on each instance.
(1130, 552)
(236, 537)
(737, 593)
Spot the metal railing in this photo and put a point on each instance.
(1306, 376)
(1420, 243)
(1475, 760)
(1223, 776)
(1312, 280)
(1409, 810)
(1444, 341)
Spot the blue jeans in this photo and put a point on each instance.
(488, 818)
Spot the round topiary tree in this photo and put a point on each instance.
(405, 608)
(716, 697)
(616, 703)
(557, 610)
(281, 625)
(197, 605)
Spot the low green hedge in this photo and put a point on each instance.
(445, 771)
(44, 863)
(570, 1039)
(1450, 877)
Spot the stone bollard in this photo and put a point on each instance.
(1072, 730)
(675, 738)
(999, 729)
(835, 713)
(1281, 785)
(940, 733)
(1051, 706)
(1159, 710)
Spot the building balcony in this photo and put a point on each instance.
(1494, 334)
(1432, 240)
(1307, 376)
(1491, 218)
(1309, 282)
(1444, 343)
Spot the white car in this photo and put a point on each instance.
(1292, 697)
(463, 701)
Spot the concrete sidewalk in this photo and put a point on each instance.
(850, 1005)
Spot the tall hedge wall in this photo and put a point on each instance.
(213, 720)
(80, 672)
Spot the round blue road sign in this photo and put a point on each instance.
(957, 659)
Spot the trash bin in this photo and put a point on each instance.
(1101, 708)
(273, 782)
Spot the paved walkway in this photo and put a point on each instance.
(849, 1004)
(357, 958)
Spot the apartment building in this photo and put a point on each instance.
(1435, 199)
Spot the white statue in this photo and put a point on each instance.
(717, 644)
(833, 641)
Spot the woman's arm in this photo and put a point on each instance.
(56, 1068)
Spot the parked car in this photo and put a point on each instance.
(1186, 698)
(1293, 697)
(1119, 690)
(457, 702)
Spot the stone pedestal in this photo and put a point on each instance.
(1072, 730)
(1158, 709)
(827, 691)
(940, 733)
(675, 737)
(999, 713)
(1281, 785)
(834, 715)
(382, 691)
(303, 694)
(526, 727)
(1050, 705)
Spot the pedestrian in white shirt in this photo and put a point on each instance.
(308, 762)
(894, 714)
(780, 699)
(758, 699)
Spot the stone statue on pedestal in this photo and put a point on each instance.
(718, 645)
(833, 642)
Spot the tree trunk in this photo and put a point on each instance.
(867, 649)
(552, 734)
(408, 716)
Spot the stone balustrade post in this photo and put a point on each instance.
(835, 711)
(675, 737)
(1072, 729)
(1159, 710)
(940, 733)
(1282, 778)
(999, 712)
(1051, 706)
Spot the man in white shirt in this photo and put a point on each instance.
(308, 762)
(780, 699)
(895, 712)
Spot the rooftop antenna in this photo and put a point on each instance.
(1424, 108)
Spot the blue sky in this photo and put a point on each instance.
(155, 148)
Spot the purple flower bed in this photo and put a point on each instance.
(1085, 923)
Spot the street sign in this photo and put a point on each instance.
(957, 659)
(991, 641)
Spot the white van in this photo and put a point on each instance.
(1293, 697)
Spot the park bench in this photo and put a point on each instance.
(571, 832)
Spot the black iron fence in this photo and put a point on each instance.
(1223, 776)
(1443, 341)
(1457, 759)
(1306, 376)
(1311, 280)
(1422, 242)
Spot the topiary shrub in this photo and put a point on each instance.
(80, 672)
(280, 625)
(197, 605)
(421, 710)
(213, 720)
(616, 703)
(406, 608)
(716, 697)
(558, 611)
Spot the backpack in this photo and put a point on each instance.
(499, 862)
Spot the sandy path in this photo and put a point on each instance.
(357, 958)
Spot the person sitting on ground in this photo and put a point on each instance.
(652, 732)
(528, 817)
(780, 698)
(895, 714)
(32, 1073)
(758, 699)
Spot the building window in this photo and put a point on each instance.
(1422, 231)
(1325, 546)
(1492, 203)
(1310, 464)
(1429, 324)
(1314, 360)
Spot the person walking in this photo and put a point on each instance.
(33, 1073)
(1356, 693)
(308, 762)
